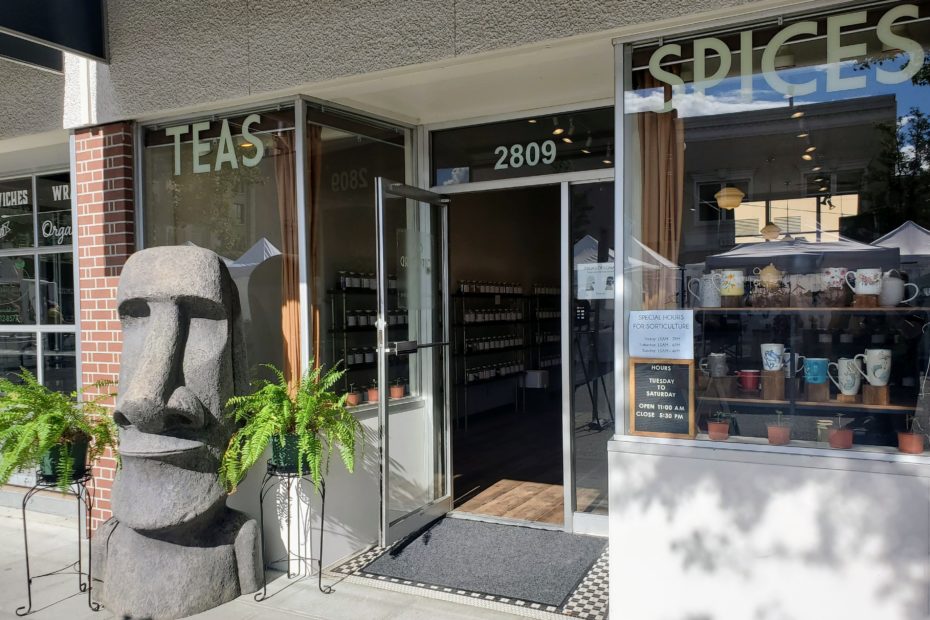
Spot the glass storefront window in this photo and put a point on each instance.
(227, 184)
(778, 177)
(16, 224)
(592, 369)
(53, 199)
(345, 156)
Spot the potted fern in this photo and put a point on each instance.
(57, 432)
(303, 424)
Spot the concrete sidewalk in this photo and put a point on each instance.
(53, 544)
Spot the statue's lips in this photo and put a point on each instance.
(134, 443)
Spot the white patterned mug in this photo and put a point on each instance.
(868, 281)
(832, 277)
(732, 282)
(877, 366)
(772, 356)
(848, 371)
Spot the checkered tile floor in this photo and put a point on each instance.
(588, 601)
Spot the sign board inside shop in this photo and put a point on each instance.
(838, 50)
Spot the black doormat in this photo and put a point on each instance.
(509, 561)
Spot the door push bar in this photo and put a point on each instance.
(406, 347)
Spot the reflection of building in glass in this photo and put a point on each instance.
(758, 152)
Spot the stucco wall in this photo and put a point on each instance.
(177, 53)
(31, 101)
(172, 54)
(703, 533)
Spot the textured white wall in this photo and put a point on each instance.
(173, 54)
(699, 533)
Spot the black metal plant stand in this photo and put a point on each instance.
(274, 476)
(77, 488)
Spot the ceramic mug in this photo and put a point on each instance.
(798, 363)
(832, 277)
(708, 290)
(893, 289)
(732, 282)
(748, 379)
(815, 370)
(877, 366)
(868, 281)
(715, 365)
(772, 356)
(848, 377)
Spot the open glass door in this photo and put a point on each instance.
(413, 358)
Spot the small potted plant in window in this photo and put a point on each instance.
(399, 388)
(841, 438)
(718, 426)
(911, 441)
(303, 423)
(58, 432)
(353, 396)
(779, 431)
(373, 391)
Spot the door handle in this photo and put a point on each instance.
(406, 347)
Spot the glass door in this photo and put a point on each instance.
(413, 358)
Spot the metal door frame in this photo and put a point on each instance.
(416, 520)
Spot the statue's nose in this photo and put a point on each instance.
(148, 400)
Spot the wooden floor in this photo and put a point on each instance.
(509, 464)
(528, 501)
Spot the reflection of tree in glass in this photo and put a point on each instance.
(897, 181)
(205, 207)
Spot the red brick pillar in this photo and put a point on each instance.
(105, 238)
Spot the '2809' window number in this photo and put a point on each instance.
(518, 155)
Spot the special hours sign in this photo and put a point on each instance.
(662, 373)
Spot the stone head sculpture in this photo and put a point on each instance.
(173, 548)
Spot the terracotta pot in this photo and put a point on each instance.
(373, 395)
(841, 438)
(779, 435)
(718, 431)
(353, 399)
(397, 391)
(911, 443)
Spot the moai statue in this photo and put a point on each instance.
(173, 548)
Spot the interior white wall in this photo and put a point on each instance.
(700, 532)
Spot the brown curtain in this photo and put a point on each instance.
(314, 171)
(662, 150)
(290, 275)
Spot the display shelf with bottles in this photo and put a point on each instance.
(545, 315)
(353, 328)
(491, 340)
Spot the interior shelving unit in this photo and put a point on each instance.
(353, 334)
(490, 343)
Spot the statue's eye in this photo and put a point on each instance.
(134, 309)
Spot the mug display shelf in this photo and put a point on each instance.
(818, 407)
(814, 310)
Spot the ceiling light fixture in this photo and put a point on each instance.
(532, 121)
(823, 188)
(817, 168)
(803, 134)
(558, 131)
(810, 149)
(797, 114)
(807, 157)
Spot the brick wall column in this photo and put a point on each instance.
(105, 238)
